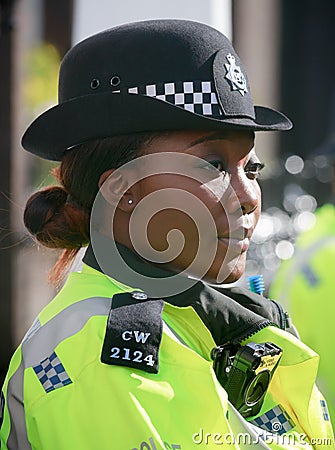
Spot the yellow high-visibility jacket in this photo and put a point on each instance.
(305, 286)
(60, 395)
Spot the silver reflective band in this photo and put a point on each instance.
(65, 324)
(17, 438)
(32, 330)
(39, 344)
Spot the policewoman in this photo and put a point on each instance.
(142, 349)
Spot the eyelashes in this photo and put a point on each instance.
(252, 169)
(215, 164)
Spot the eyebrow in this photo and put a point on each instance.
(216, 136)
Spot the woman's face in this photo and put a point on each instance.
(184, 203)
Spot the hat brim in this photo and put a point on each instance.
(108, 114)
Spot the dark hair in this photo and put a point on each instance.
(59, 216)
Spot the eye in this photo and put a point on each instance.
(214, 164)
(252, 170)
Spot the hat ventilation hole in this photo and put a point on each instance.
(95, 83)
(115, 81)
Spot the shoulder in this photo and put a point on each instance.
(75, 318)
(80, 286)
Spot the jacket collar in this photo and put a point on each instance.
(231, 314)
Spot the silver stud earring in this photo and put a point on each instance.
(130, 201)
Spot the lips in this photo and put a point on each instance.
(238, 234)
(237, 237)
(236, 245)
(238, 240)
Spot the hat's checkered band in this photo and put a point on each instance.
(325, 410)
(195, 96)
(2, 407)
(274, 421)
(51, 373)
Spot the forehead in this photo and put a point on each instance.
(194, 141)
(183, 153)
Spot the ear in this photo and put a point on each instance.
(113, 186)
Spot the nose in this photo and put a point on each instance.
(244, 194)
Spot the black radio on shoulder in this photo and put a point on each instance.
(245, 373)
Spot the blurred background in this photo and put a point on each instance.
(286, 49)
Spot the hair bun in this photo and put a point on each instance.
(53, 222)
(42, 206)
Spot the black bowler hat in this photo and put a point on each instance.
(148, 76)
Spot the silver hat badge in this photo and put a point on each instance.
(235, 76)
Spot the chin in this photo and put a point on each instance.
(232, 272)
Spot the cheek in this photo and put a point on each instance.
(181, 204)
(179, 222)
(171, 227)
